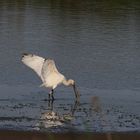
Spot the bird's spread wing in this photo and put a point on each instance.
(48, 68)
(50, 74)
(49, 65)
(34, 62)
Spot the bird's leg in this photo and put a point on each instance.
(50, 104)
(49, 95)
(52, 94)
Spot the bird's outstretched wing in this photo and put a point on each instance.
(34, 62)
(48, 68)
(50, 74)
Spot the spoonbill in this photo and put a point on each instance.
(49, 74)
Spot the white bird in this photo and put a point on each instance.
(47, 71)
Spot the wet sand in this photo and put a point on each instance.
(16, 135)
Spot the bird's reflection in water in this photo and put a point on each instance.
(52, 119)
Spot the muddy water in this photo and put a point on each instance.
(95, 43)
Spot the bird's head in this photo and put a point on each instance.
(27, 58)
(71, 82)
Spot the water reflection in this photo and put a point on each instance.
(79, 117)
(52, 119)
(92, 114)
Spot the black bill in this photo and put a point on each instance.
(77, 94)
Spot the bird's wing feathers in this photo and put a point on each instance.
(48, 67)
(50, 73)
(45, 68)
(34, 62)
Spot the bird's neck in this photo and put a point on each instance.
(66, 82)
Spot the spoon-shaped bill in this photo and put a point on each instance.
(77, 94)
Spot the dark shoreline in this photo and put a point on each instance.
(34, 135)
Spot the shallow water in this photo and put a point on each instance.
(95, 43)
(26, 108)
